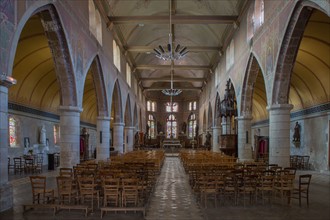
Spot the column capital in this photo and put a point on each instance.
(244, 117)
(279, 107)
(7, 81)
(105, 118)
(70, 109)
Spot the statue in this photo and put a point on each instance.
(136, 138)
(296, 134)
(147, 130)
(184, 126)
(196, 131)
(208, 140)
(42, 135)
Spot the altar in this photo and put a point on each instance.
(168, 143)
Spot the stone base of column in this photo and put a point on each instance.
(6, 197)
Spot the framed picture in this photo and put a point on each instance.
(26, 142)
(47, 142)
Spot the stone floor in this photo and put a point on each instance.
(173, 199)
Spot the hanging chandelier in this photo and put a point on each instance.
(171, 91)
(170, 51)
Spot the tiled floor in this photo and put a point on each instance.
(172, 199)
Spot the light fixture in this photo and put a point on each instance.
(171, 92)
(170, 51)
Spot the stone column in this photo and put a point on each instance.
(279, 134)
(70, 136)
(129, 139)
(103, 138)
(6, 190)
(216, 139)
(118, 139)
(244, 138)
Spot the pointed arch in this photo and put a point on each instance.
(210, 117)
(99, 85)
(61, 54)
(250, 77)
(128, 113)
(288, 52)
(135, 118)
(56, 84)
(217, 112)
(116, 104)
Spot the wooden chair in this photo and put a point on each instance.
(87, 190)
(247, 185)
(266, 187)
(29, 166)
(10, 166)
(66, 172)
(66, 189)
(130, 192)
(111, 191)
(302, 190)
(284, 186)
(18, 165)
(39, 162)
(39, 192)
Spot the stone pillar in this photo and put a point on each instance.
(244, 138)
(129, 139)
(118, 139)
(6, 190)
(70, 136)
(216, 139)
(103, 138)
(279, 134)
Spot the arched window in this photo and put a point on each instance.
(171, 127)
(128, 74)
(56, 131)
(151, 106)
(192, 125)
(192, 106)
(95, 22)
(151, 124)
(172, 108)
(116, 55)
(12, 131)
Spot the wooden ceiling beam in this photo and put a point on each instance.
(175, 79)
(168, 67)
(176, 19)
(161, 88)
(145, 49)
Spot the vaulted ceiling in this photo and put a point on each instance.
(203, 26)
(37, 85)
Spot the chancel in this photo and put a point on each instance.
(164, 109)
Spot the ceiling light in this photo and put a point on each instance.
(171, 51)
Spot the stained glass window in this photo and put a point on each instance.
(192, 106)
(175, 107)
(192, 126)
(12, 131)
(171, 127)
(56, 134)
(151, 124)
(151, 106)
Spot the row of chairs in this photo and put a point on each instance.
(26, 164)
(299, 162)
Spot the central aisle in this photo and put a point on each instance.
(172, 198)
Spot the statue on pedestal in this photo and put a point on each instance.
(42, 135)
(296, 134)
